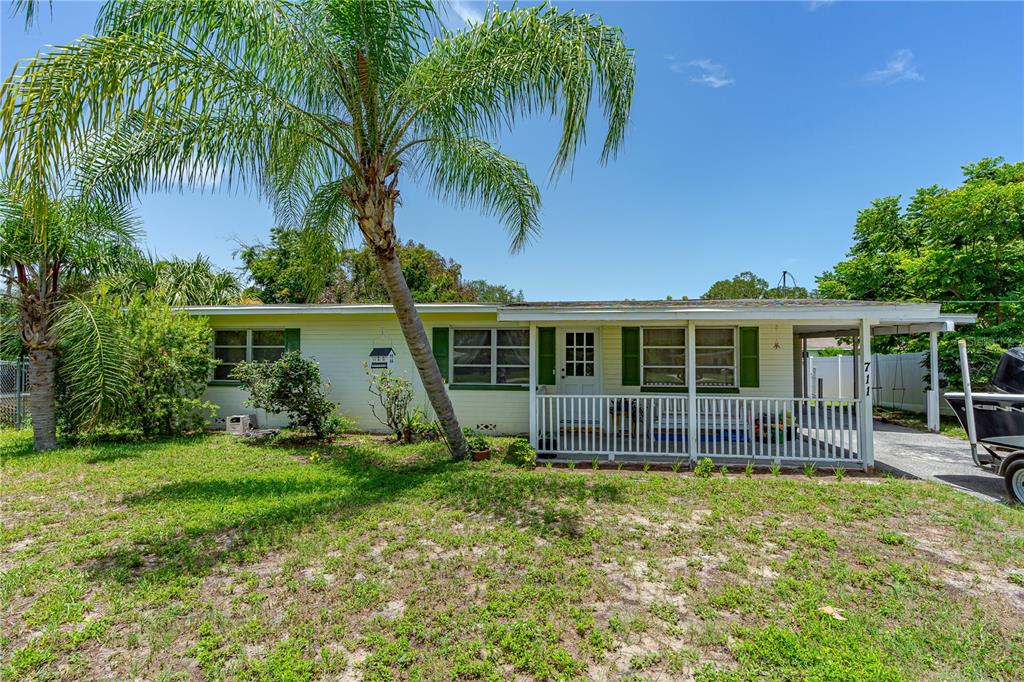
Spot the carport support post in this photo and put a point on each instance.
(533, 386)
(867, 431)
(692, 439)
(933, 371)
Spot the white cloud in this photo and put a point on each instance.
(899, 67)
(469, 12)
(711, 74)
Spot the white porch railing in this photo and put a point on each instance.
(727, 428)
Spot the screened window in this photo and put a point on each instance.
(664, 356)
(716, 356)
(232, 346)
(491, 356)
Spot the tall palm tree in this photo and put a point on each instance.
(83, 239)
(322, 106)
(176, 281)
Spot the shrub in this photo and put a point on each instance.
(419, 427)
(167, 360)
(475, 440)
(520, 453)
(704, 468)
(394, 398)
(290, 384)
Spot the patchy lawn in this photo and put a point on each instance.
(214, 559)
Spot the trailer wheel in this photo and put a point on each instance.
(1014, 479)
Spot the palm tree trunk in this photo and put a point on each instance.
(42, 367)
(419, 347)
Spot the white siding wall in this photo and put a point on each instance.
(342, 343)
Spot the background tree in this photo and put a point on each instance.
(323, 106)
(748, 285)
(82, 240)
(963, 247)
(175, 281)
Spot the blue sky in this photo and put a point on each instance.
(758, 130)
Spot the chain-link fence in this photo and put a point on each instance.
(13, 390)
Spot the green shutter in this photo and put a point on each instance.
(441, 350)
(546, 356)
(750, 365)
(631, 356)
(291, 339)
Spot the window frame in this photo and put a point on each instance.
(248, 347)
(494, 364)
(644, 365)
(697, 329)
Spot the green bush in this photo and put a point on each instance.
(476, 441)
(704, 468)
(291, 385)
(520, 453)
(158, 360)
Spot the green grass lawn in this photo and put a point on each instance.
(211, 559)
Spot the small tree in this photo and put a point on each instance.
(291, 384)
(394, 398)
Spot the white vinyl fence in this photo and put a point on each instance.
(899, 380)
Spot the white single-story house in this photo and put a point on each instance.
(650, 380)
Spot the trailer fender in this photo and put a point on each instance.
(1008, 460)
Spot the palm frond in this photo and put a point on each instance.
(526, 61)
(96, 359)
(471, 172)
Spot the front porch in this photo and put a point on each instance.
(684, 380)
(727, 429)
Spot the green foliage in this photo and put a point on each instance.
(963, 247)
(748, 285)
(135, 367)
(775, 468)
(839, 473)
(520, 453)
(476, 441)
(748, 470)
(292, 385)
(832, 352)
(704, 468)
(393, 395)
(297, 266)
(174, 282)
(810, 469)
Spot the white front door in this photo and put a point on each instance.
(578, 362)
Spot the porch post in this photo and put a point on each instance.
(692, 439)
(933, 369)
(533, 385)
(867, 431)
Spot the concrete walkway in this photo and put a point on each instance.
(934, 457)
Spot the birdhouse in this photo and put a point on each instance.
(382, 358)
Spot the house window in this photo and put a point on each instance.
(491, 356)
(664, 356)
(232, 346)
(716, 356)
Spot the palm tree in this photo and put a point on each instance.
(49, 266)
(176, 281)
(322, 106)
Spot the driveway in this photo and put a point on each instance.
(934, 457)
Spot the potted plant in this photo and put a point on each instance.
(477, 444)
